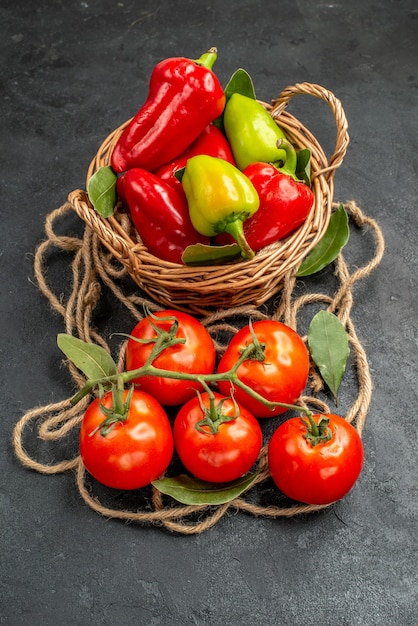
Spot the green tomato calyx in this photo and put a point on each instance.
(213, 415)
(317, 432)
(119, 410)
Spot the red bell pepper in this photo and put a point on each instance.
(285, 204)
(184, 97)
(159, 213)
(211, 142)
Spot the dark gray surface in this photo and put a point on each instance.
(73, 71)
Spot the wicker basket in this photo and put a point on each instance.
(202, 290)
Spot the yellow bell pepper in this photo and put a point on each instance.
(220, 198)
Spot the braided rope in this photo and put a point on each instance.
(92, 267)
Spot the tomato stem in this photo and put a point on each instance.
(165, 339)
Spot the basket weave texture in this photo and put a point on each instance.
(202, 290)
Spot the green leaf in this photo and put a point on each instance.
(202, 254)
(101, 190)
(328, 345)
(240, 82)
(180, 173)
(303, 166)
(91, 359)
(188, 490)
(329, 247)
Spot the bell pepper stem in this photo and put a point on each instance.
(236, 230)
(208, 58)
(290, 164)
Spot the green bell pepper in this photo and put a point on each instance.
(252, 132)
(220, 198)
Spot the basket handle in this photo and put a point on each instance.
(311, 89)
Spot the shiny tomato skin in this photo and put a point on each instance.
(135, 451)
(196, 356)
(319, 474)
(281, 377)
(221, 457)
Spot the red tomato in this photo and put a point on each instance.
(315, 474)
(281, 377)
(196, 356)
(135, 451)
(221, 456)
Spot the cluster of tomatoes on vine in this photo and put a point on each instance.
(127, 440)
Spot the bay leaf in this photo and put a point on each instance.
(240, 82)
(303, 166)
(329, 348)
(93, 360)
(329, 247)
(101, 190)
(188, 490)
(202, 254)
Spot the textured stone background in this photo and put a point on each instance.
(70, 73)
